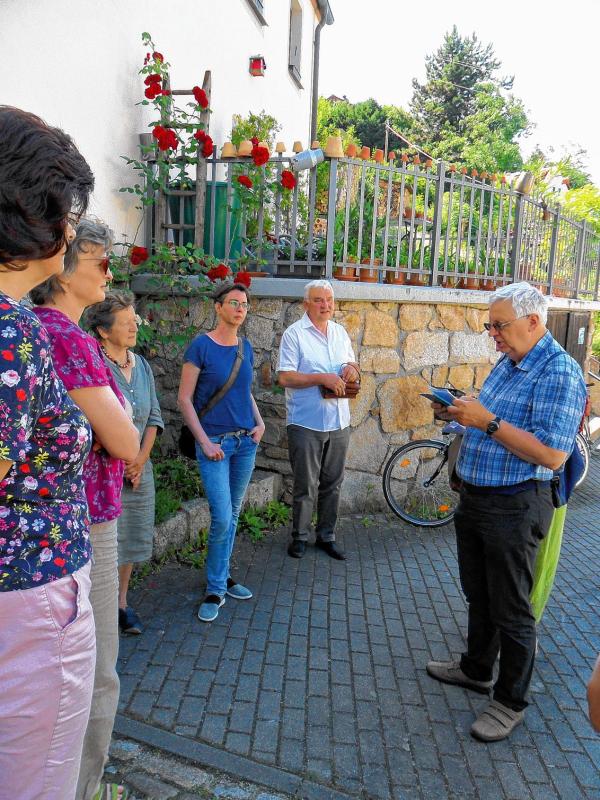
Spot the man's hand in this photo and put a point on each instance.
(333, 382)
(350, 373)
(440, 411)
(593, 695)
(470, 412)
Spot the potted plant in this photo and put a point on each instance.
(399, 277)
(471, 281)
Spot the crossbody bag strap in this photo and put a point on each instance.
(220, 393)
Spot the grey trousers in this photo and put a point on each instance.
(318, 459)
(104, 599)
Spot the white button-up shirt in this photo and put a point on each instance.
(305, 349)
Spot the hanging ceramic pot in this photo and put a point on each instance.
(245, 148)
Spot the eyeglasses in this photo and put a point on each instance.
(321, 301)
(74, 218)
(237, 304)
(103, 263)
(499, 326)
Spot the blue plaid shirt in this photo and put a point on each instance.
(544, 394)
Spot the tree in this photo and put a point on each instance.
(449, 95)
(363, 121)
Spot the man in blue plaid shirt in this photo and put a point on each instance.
(521, 428)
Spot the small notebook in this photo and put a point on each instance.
(438, 395)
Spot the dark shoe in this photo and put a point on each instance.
(297, 549)
(331, 548)
(450, 672)
(496, 722)
(129, 622)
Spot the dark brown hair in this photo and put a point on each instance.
(223, 290)
(102, 315)
(43, 177)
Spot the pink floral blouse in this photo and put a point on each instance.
(79, 362)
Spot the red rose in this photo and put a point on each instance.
(43, 492)
(254, 141)
(288, 181)
(25, 468)
(166, 138)
(243, 278)
(244, 180)
(155, 77)
(158, 56)
(7, 355)
(260, 155)
(60, 562)
(200, 135)
(138, 255)
(207, 147)
(21, 394)
(218, 273)
(200, 97)
(152, 91)
(147, 59)
(166, 93)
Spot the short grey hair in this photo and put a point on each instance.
(102, 315)
(320, 284)
(525, 299)
(89, 232)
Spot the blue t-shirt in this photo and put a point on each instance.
(215, 361)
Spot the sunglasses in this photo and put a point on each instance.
(103, 263)
(498, 326)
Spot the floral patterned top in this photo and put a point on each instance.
(44, 523)
(79, 362)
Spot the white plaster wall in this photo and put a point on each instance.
(76, 65)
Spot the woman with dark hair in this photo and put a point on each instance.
(47, 647)
(60, 302)
(115, 324)
(227, 435)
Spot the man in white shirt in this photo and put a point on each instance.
(316, 352)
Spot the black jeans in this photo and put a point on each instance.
(497, 539)
(318, 459)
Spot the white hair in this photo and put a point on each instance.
(525, 299)
(320, 284)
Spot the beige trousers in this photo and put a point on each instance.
(104, 597)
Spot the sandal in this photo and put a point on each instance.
(111, 791)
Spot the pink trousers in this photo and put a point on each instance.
(47, 659)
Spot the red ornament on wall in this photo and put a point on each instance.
(257, 66)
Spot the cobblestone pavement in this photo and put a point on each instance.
(317, 687)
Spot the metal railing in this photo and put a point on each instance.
(399, 222)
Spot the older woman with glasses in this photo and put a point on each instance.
(115, 324)
(227, 434)
(78, 360)
(47, 647)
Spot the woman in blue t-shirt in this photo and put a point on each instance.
(226, 436)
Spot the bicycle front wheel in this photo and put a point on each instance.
(416, 484)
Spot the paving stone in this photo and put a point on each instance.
(151, 787)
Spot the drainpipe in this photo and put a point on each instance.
(326, 19)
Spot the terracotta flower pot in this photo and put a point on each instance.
(344, 272)
(245, 148)
(228, 150)
(351, 150)
(370, 274)
(334, 147)
(378, 155)
(396, 278)
(471, 282)
(365, 153)
(487, 285)
(416, 279)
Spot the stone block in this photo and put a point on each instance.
(475, 318)
(260, 332)
(472, 348)
(361, 405)
(402, 407)
(379, 360)
(361, 491)
(198, 515)
(451, 317)
(151, 787)
(425, 348)
(352, 322)
(481, 374)
(414, 316)
(268, 307)
(439, 376)
(368, 448)
(425, 432)
(184, 775)
(293, 313)
(201, 313)
(264, 487)
(388, 308)
(283, 467)
(173, 532)
(266, 374)
(461, 377)
(380, 329)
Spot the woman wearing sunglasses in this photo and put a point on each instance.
(227, 435)
(60, 302)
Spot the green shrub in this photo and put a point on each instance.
(177, 480)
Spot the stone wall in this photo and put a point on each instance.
(401, 347)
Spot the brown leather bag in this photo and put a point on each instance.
(352, 389)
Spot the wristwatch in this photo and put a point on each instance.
(493, 426)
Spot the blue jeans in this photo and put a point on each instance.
(225, 483)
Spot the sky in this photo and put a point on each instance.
(375, 49)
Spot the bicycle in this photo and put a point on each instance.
(416, 484)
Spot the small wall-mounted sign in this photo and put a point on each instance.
(257, 66)
(581, 336)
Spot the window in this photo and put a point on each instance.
(258, 6)
(295, 52)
